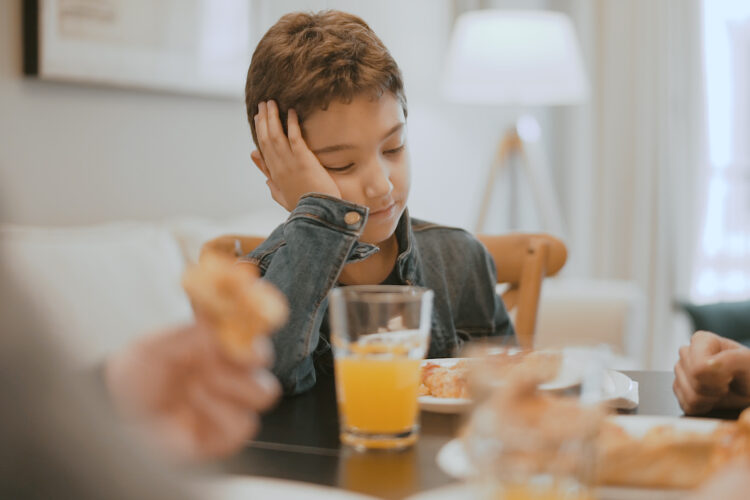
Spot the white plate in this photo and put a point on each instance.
(443, 405)
(244, 487)
(570, 375)
(467, 490)
(453, 461)
(572, 368)
(638, 425)
(619, 391)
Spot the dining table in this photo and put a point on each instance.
(299, 440)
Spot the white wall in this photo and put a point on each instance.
(72, 154)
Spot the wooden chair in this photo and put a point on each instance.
(522, 261)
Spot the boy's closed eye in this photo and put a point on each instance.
(344, 167)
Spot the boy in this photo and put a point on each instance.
(327, 110)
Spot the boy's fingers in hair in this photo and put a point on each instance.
(275, 147)
(296, 141)
(261, 130)
(275, 130)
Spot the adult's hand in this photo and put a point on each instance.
(191, 398)
(713, 372)
(291, 169)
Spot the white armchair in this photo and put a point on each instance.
(577, 312)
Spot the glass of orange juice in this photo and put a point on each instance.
(380, 335)
(527, 443)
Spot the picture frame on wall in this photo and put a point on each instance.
(198, 47)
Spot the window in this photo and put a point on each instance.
(722, 266)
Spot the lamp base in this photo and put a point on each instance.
(514, 143)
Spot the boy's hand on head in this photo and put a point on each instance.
(291, 168)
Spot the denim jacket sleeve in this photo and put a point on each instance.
(319, 237)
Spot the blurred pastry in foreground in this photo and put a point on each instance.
(669, 458)
(230, 296)
(520, 432)
(526, 367)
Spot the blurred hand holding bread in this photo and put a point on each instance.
(230, 296)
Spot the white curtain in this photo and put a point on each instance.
(722, 266)
(631, 157)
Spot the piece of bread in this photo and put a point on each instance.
(232, 298)
(663, 458)
(445, 381)
(669, 458)
(454, 381)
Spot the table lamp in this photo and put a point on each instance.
(520, 59)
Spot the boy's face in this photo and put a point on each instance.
(362, 145)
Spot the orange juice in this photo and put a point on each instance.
(378, 395)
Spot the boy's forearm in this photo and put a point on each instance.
(319, 237)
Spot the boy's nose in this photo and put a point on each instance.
(379, 182)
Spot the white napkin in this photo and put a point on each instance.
(619, 391)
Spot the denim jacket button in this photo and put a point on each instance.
(352, 218)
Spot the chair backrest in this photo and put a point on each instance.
(522, 261)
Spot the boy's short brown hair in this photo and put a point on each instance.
(307, 60)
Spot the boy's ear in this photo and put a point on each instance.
(260, 163)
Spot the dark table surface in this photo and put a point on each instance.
(299, 441)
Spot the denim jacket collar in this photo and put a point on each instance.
(407, 262)
(408, 259)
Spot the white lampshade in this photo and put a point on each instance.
(512, 57)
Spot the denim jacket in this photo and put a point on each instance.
(304, 256)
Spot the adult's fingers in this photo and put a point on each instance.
(176, 432)
(260, 354)
(700, 367)
(704, 379)
(704, 344)
(691, 402)
(256, 390)
(734, 401)
(735, 361)
(223, 427)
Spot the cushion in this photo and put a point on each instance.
(192, 232)
(728, 319)
(100, 286)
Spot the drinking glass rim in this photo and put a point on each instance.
(382, 293)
